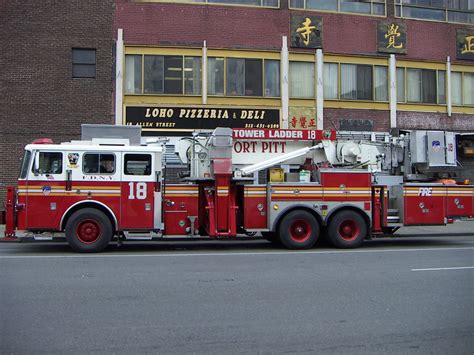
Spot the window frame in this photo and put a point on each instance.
(78, 63)
(99, 163)
(398, 4)
(127, 154)
(372, 2)
(206, 3)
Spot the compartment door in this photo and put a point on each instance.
(138, 187)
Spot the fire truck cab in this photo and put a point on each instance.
(89, 189)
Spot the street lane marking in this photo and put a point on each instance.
(174, 254)
(445, 268)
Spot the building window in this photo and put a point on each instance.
(369, 7)
(331, 80)
(215, 76)
(468, 89)
(356, 82)
(272, 78)
(456, 88)
(133, 74)
(421, 85)
(441, 87)
(461, 11)
(244, 77)
(381, 83)
(301, 83)
(83, 63)
(192, 76)
(401, 84)
(259, 3)
(163, 75)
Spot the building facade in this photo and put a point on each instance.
(332, 64)
(55, 73)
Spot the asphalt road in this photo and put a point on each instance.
(399, 296)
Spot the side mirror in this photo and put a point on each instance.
(36, 163)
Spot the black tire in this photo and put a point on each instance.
(347, 229)
(298, 230)
(88, 231)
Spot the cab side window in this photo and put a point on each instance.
(50, 163)
(137, 164)
(95, 163)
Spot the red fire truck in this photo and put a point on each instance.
(288, 186)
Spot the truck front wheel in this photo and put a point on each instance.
(347, 229)
(298, 230)
(88, 231)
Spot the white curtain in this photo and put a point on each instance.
(401, 84)
(414, 85)
(215, 76)
(331, 80)
(348, 81)
(441, 87)
(381, 83)
(456, 92)
(133, 74)
(468, 89)
(301, 80)
(272, 78)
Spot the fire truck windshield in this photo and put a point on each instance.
(24, 164)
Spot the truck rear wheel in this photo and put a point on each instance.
(298, 230)
(347, 229)
(88, 231)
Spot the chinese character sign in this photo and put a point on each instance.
(306, 31)
(391, 37)
(465, 44)
(302, 118)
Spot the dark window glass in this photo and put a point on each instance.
(173, 75)
(428, 86)
(253, 77)
(137, 164)
(235, 77)
(83, 63)
(24, 164)
(153, 72)
(356, 82)
(244, 77)
(98, 163)
(50, 163)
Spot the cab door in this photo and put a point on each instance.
(138, 184)
(44, 190)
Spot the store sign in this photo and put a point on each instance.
(191, 118)
(283, 134)
(306, 31)
(465, 44)
(391, 37)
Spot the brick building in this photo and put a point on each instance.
(55, 73)
(247, 66)
(300, 63)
